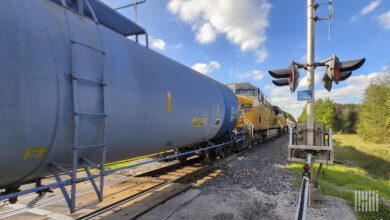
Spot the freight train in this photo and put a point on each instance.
(257, 115)
(74, 86)
(75, 89)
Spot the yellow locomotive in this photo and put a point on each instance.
(257, 115)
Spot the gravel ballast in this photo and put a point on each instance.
(252, 185)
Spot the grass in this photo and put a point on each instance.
(131, 161)
(128, 162)
(365, 166)
(373, 158)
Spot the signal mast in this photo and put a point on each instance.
(311, 146)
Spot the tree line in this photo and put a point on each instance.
(370, 119)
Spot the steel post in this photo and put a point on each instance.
(135, 19)
(310, 69)
(304, 193)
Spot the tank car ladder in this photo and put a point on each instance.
(82, 162)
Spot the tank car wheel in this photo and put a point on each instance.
(211, 155)
(183, 160)
(246, 143)
(255, 142)
(263, 138)
(221, 152)
(12, 200)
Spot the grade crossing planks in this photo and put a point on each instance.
(136, 208)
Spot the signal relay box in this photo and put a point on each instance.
(323, 146)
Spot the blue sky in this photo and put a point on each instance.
(238, 41)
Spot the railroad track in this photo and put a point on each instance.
(118, 196)
(174, 185)
(118, 179)
(130, 209)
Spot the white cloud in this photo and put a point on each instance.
(354, 89)
(206, 34)
(304, 58)
(384, 20)
(174, 47)
(386, 68)
(254, 74)
(261, 54)
(269, 86)
(206, 68)
(157, 43)
(282, 97)
(369, 8)
(178, 46)
(317, 78)
(243, 22)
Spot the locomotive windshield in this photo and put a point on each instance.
(248, 92)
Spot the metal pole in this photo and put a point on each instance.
(135, 19)
(304, 194)
(135, 12)
(310, 69)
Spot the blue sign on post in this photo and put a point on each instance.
(305, 95)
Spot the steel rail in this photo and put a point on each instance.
(304, 193)
(114, 205)
(60, 198)
(68, 181)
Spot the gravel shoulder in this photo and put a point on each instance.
(252, 185)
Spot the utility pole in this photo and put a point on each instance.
(310, 69)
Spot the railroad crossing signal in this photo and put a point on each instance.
(338, 71)
(287, 76)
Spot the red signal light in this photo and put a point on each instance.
(337, 73)
(306, 167)
(291, 76)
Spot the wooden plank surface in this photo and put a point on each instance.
(140, 207)
(117, 192)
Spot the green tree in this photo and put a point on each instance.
(302, 117)
(350, 119)
(324, 111)
(289, 115)
(374, 117)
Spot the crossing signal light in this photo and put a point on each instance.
(338, 71)
(287, 76)
(326, 82)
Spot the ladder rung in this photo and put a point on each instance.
(92, 48)
(88, 80)
(90, 146)
(90, 114)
